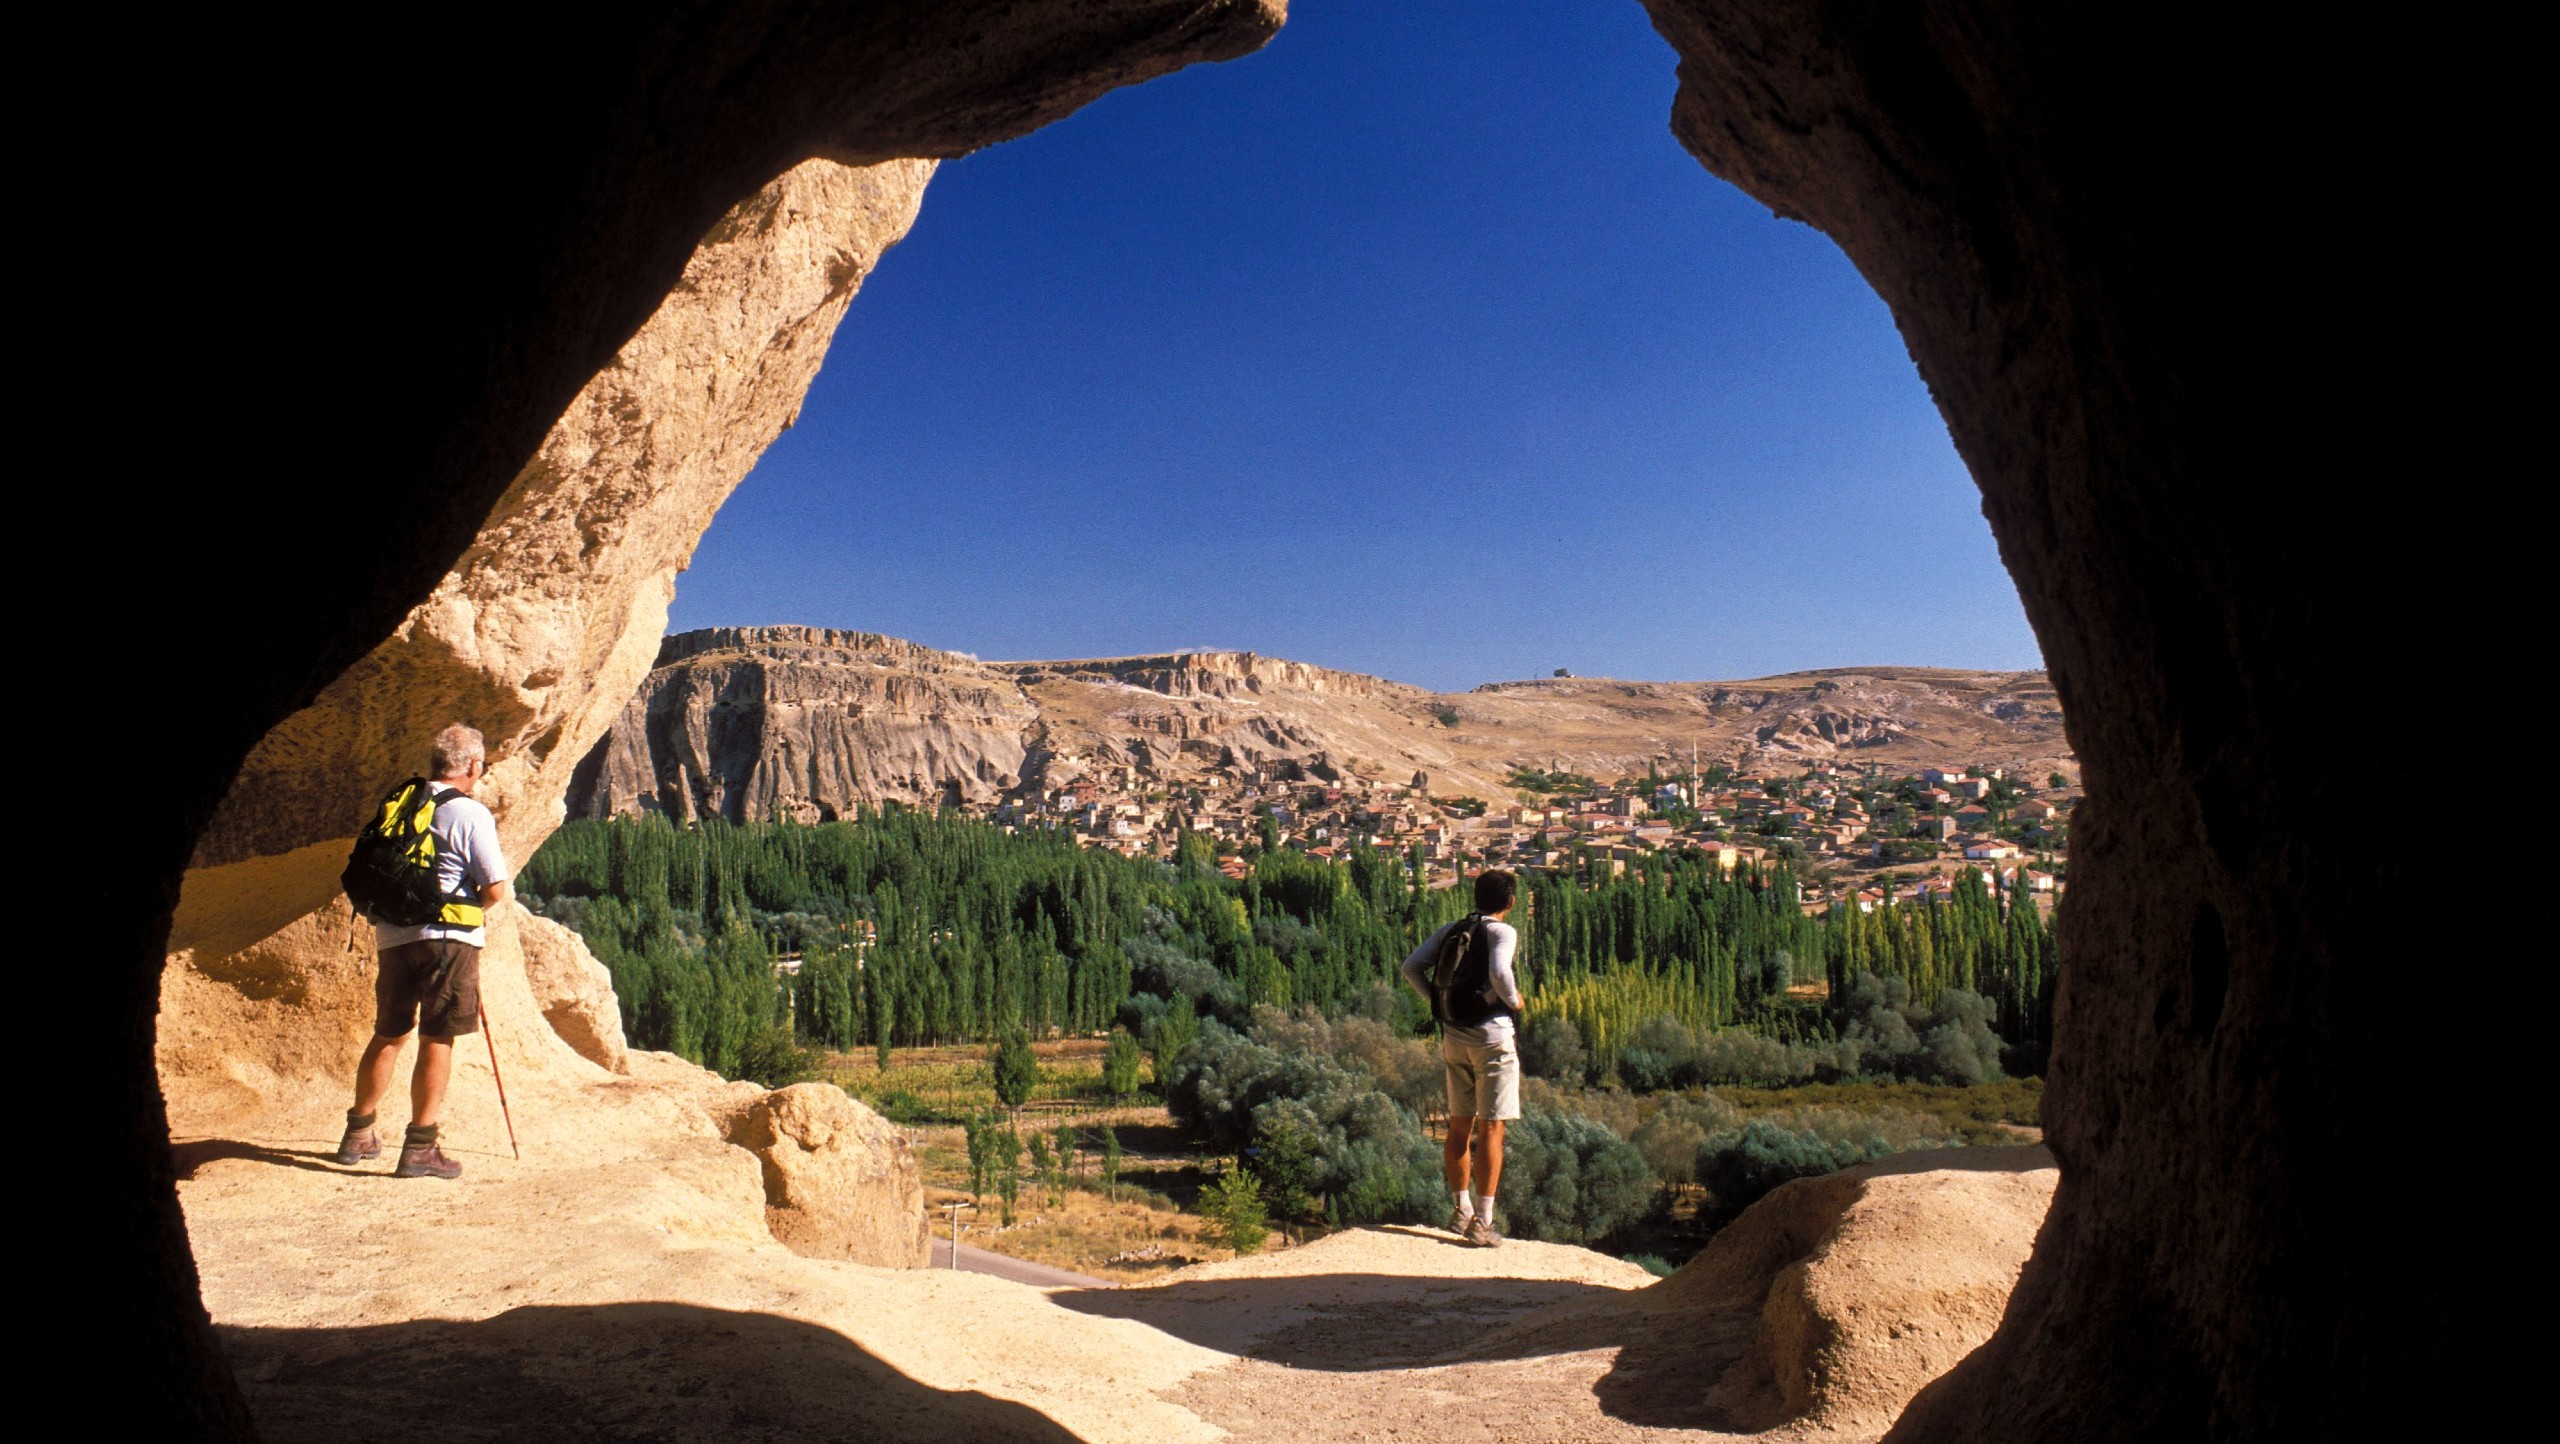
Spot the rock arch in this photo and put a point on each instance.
(469, 269)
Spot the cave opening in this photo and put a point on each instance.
(1999, 182)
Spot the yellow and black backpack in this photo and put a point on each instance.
(391, 875)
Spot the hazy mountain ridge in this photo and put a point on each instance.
(760, 722)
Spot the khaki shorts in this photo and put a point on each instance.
(1484, 1081)
(434, 982)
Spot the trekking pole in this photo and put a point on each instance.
(489, 1035)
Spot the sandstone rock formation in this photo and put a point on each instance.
(574, 991)
(806, 723)
(475, 268)
(801, 722)
(839, 1180)
(553, 616)
(1865, 1285)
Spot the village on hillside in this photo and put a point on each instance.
(1847, 832)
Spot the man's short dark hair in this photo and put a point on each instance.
(1495, 888)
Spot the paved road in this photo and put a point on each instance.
(1039, 1276)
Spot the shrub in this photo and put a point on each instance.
(1017, 1070)
(774, 1058)
(1551, 1047)
(1231, 1212)
(1567, 1179)
(1731, 1055)
(1652, 1263)
(1120, 1065)
(1669, 1141)
(901, 1105)
(1372, 1157)
(1889, 1035)
(1287, 1159)
(1169, 1034)
(1740, 1168)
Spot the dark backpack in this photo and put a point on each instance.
(1462, 976)
(391, 875)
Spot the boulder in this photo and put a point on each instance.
(839, 1180)
(1863, 1286)
(575, 993)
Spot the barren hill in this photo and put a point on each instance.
(760, 722)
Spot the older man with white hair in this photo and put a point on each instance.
(427, 978)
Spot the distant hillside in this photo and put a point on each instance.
(754, 723)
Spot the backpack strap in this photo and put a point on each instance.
(459, 909)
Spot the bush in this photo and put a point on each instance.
(1231, 1212)
(1889, 1035)
(1669, 1141)
(900, 1105)
(1372, 1160)
(1551, 1047)
(1120, 1065)
(1741, 1168)
(1288, 1160)
(1169, 1034)
(1731, 1055)
(774, 1058)
(1017, 1070)
(1402, 1067)
(1652, 1263)
(1568, 1179)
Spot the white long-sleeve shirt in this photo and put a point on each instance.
(1505, 983)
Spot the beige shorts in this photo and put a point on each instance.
(1484, 1081)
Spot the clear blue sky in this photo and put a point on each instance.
(1412, 344)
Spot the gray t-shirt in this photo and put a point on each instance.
(1505, 983)
(467, 860)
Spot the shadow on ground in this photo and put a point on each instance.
(608, 1372)
(1642, 1364)
(195, 1153)
(1343, 1322)
(190, 1156)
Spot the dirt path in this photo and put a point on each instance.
(1021, 1271)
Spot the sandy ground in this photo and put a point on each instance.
(575, 1297)
(619, 1281)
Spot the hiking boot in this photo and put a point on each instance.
(1460, 1220)
(420, 1158)
(360, 1143)
(1480, 1232)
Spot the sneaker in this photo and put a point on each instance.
(426, 1160)
(1480, 1232)
(1460, 1220)
(359, 1145)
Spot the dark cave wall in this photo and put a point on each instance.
(2068, 210)
(400, 246)
(409, 251)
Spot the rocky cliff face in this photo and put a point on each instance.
(806, 723)
(1216, 674)
(763, 722)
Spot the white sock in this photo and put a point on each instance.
(1465, 1209)
(1484, 1208)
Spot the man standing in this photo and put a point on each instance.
(1478, 1006)
(428, 977)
